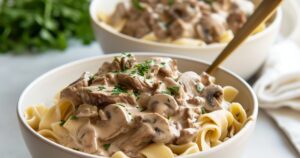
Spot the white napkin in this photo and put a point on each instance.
(278, 89)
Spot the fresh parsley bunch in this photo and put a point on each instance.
(39, 25)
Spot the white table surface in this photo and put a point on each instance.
(16, 72)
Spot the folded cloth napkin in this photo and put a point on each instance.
(278, 89)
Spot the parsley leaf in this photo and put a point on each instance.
(73, 117)
(170, 2)
(199, 87)
(208, 1)
(100, 88)
(118, 90)
(62, 122)
(166, 92)
(173, 90)
(137, 4)
(143, 68)
(203, 111)
(106, 146)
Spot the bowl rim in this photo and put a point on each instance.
(23, 123)
(93, 15)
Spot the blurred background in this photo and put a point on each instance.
(39, 35)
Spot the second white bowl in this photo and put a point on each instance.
(245, 61)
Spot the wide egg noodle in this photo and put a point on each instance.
(49, 134)
(230, 93)
(119, 154)
(157, 150)
(33, 115)
(227, 36)
(61, 111)
(184, 149)
(188, 42)
(239, 114)
(214, 128)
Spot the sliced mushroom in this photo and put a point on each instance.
(116, 123)
(87, 137)
(86, 110)
(213, 95)
(144, 100)
(207, 79)
(179, 29)
(236, 19)
(161, 127)
(163, 104)
(189, 80)
(210, 29)
(133, 141)
(186, 11)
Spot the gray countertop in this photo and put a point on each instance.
(18, 71)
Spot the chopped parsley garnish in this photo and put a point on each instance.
(118, 90)
(100, 88)
(133, 72)
(106, 146)
(199, 87)
(76, 149)
(170, 2)
(73, 117)
(62, 122)
(137, 4)
(203, 111)
(91, 78)
(173, 90)
(143, 68)
(208, 1)
(163, 64)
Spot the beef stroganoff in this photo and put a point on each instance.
(144, 109)
(181, 22)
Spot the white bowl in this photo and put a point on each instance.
(43, 90)
(245, 61)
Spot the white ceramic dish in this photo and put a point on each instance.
(245, 61)
(43, 90)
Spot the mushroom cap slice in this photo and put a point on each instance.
(162, 104)
(214, 97)
(87, 137)
(116, 123)
(189, 80)
(161, 127)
